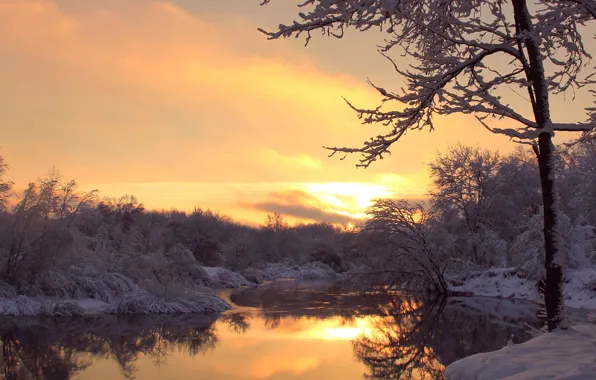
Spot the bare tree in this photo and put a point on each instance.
(4, 186)
(276, 222)
(457, 46)
(420, 252)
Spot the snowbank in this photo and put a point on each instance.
(225, 278)
(579, 289)
(256, 275)
(148, 304)
(309, 271)
(563, 354)
(133, 303)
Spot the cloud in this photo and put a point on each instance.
(187, 100)
(300, 205)
(101, 92)
(299, 161)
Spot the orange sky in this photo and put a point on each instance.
(184, 103)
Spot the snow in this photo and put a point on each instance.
(148, 304)
(132, 303)
(256, 275)
(225, 278)
(562, 354)
(579, 289)
(309, 271)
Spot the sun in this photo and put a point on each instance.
(350, 197)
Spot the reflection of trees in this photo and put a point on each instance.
(237, 322)
(51, 348)
(416, 339)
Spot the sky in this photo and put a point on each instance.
(184, 104)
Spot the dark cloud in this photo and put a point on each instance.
(298, 204)
(303, 212)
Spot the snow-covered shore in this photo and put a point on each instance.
(562, 354)
(118, 294)
(579, 289)
(138, 303)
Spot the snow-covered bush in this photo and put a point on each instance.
(190, 303)
(104, 286)
(225, 278)
(308, 271)
(256, 275)
(7, 291)
(326, 253)
(578, 245)
(67, 309)
(240, 251)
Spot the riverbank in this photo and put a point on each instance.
(119, 294)
(131, 304)
(579, 289)
(562, 354)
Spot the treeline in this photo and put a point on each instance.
(485, 211)
(60, 242)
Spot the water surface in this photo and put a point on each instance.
(284, 330)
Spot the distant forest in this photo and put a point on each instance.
(483, 211)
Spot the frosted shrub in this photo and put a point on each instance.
(308, 271)
(256, 275)
(527, 249)
(239, 252)
(577, 245)
(491, 248)
(181, 266)
(177, 266)
(190, 303)
(104, 286)
(316, 271)
(67, 309)
(7, 291)
(225, 278)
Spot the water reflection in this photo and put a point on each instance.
(59, 348)
(282, 331)
(418, 339)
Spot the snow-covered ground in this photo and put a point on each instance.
(309, 271)
(134, 303)
(111, 293)
(562, 354)
(579, 289)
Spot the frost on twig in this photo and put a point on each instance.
(459, 49)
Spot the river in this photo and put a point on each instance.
(282, 330)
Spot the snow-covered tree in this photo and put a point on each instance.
(419, 249)
(469, 56)
(464, 181)
(578, 189)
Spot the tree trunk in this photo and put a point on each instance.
(553, 259)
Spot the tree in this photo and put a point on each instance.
(409, 231)
(465, 195)
(464, 179)
(4, 186)
(470, 54)
(276, 222)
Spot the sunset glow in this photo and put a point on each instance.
(184, 104)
